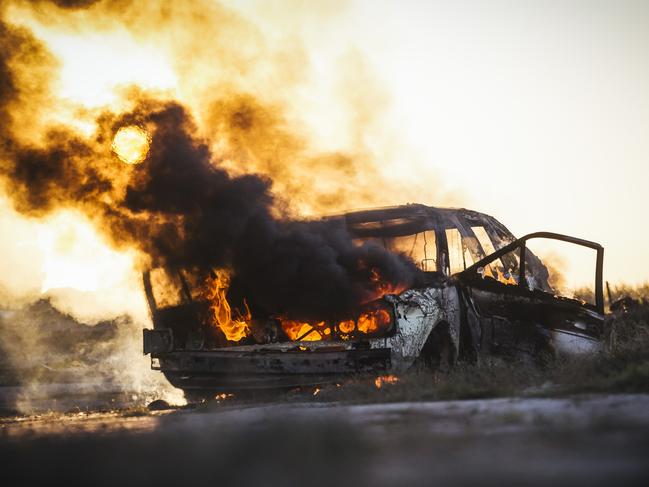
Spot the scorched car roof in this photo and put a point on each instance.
(414, 218)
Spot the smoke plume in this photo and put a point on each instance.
(183, 209)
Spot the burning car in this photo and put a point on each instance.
(482, 292)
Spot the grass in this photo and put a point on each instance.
(622, 367)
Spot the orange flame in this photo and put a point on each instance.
(506, 279)
(236, 328)
(298, 330)
(383, 287)
(369, 322)
(500, 275)
(223, 396)
(373, 321)
(346, 326)
(385, 379)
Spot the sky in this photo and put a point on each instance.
(536, 112)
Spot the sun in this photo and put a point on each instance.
(131, 144)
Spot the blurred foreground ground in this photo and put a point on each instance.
(68, 419)
(577, 440)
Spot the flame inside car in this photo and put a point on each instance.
(236, 324)
(302, 331)
(234, 328)
(370, 322)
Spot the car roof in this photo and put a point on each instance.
(409, 219)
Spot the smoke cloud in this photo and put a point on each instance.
(229, 169)
(182, 210)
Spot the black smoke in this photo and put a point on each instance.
(184, 210)
(305, 269)
(74, 4)
(11, 42)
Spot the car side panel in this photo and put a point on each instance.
(417, 313)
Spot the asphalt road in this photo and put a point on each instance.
(585, 440)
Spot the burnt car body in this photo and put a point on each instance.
(485, 293)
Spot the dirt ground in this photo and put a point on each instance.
(577, 440)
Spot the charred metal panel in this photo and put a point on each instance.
(514, 339)
(538, 307)
(417, 312)
(229, 383)
(157, 341)
(235, 363)
(414, 218)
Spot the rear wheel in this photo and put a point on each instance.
(439, 351)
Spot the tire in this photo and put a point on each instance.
(439, 351)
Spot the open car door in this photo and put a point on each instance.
(518, 308)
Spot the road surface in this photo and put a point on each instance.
(581, 440)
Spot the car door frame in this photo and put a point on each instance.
(551, 304)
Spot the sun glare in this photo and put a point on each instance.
(131, 144)
(95, 65)
(74, 256)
